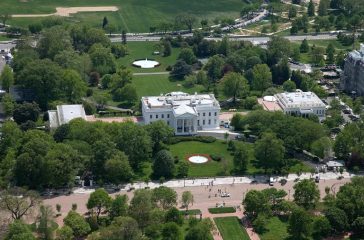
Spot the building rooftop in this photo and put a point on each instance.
(64, 114)
(358, 55)
(180, 99)
(299, 99)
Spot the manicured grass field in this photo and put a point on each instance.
(142, 50)
(154, 85)
(211, 168)
(231, 229)
(133, 16)
(276, 230)
(222, 210)
(191, 211)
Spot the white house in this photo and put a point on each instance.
(301, 104)
(64, 114)
(185, 113)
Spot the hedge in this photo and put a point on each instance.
(222, 210)
(203, 139)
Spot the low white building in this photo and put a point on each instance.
(185, 113)
(301, 104)
(64, 114)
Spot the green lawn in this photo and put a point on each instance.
(230, 228)
(211, 168)
(133, 16)
(276, 230)
(154, 85)
(222, 210)
(191, 211)
(4, 38)
(142, 50)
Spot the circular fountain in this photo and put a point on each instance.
(146, 63)
(198, 159)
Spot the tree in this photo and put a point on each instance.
(117, 168)
(187, 55)
(235, 85)
(330, 52)
(64, 233)
(186, 20)
(119, 206)
(174, 215)
(44, 78)
(224, 47)
(6, 78)
(262, 77)
(171, 231)
(322, 147)
(122, 228)
(167, 48)
(322, 8)
(72, 86)
(102, 59)
(311, 9)
(292, 13)
(164, 197)
(8, 104)
(321, 227)
(358, 226)
(4, 18)
(187, 199)
(214, 68)
(269, 151)
(77, 223)
(289, 86)
(99, 201)
(255, 203)
(141, 207)
(306, 194)
(45, 223)
(126, 94)
(259, 224)
(52, 41)
(300, 224)
(241, 158)
(358, 105)
(104, 22)
(278, 48)
(163, 165)
(19, 202)
(19, 231)
(26, 112)
(200, 231)
(160, 134)
(123, 37)
(180, 70)
(182, 169)
(338, 219)
(304, 48)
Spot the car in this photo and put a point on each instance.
(239, 137)
(346, 111)
(283, 181)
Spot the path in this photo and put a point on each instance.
(67, 11)
(150, 73)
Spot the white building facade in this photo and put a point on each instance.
(185, 113)
(301, 104)
(64, 114)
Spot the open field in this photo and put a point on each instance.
(142, 50)
(276, 229)
(231, 229)
(133, 16)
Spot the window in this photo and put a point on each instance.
(167, 115)
(209, 121)
(209, 114)
(162, 115)
(215, 121)
(167, 122)
(198, 122)
(203, 122)
(156, 116)
(215, 114)
(203, 114)
(151, 116)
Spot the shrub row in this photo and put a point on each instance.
(222, 210)
(204, 139)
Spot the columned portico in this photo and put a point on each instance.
(185, 126)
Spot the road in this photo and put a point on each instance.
(233, 38)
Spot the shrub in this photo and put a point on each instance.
(216, 157)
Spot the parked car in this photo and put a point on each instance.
(317, 179)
